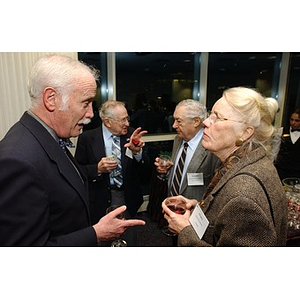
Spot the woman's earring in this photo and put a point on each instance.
(239, 142)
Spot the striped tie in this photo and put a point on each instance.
(116, 151)
(178, 173)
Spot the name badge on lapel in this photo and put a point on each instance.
(128, 153)
(194, 179)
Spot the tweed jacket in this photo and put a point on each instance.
(238, 210)
(202, 162)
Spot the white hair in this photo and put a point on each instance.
(59, 72)
(257, 111)
(194, 108)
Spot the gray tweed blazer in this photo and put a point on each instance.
(238, 208)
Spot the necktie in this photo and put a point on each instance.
(293, 130)
(64, 143)
(116, 151)
(178, 173)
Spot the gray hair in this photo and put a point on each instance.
(256, 111)
(107, 108)
(59, 72)
(194, 108)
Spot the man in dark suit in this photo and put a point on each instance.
(94, 152)
(43, 192)
(288, 158)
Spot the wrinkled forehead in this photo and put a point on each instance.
(119, 111)
(223, 108)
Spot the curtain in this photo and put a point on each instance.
(14, 97)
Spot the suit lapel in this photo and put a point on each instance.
(124, 157)
(194, 165)
(196, 161)
(97, 144)
(54, 152)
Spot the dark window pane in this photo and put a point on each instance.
(254, 70)
(98, 61)
(152, 83)
(293, 88)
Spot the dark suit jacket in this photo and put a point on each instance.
(89, 151)
(202, 162)
(288, 159)
(43, 200)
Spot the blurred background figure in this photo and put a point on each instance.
(288, 159)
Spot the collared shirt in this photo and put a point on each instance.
(193, 144)
(107, 136)
(294, 136)
(49, 129)
(54, 135)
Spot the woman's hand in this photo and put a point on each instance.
(177, 221)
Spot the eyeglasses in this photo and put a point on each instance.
(122, 121)
(214, 118)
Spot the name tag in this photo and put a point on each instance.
(199, 221)
(195, 179)
(128, 153)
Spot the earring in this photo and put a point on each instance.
(239, 142)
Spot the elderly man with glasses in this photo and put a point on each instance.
(111, 156)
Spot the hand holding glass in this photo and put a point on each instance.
(164, 162)
(178, 206)
(118, 242)
(115, 172)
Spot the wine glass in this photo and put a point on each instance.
(117, 242)
(165, 163)
(291, 184)
(117, 171)
(176, 205)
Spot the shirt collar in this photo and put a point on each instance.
(294, 136)
(194, 142)
(49, 129)
(106, 133)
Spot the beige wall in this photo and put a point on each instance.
(14, 98)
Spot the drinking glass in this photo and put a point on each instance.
(176, 205)
(117, 242)
(165, 163)
(292, 184)
(117, 171)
